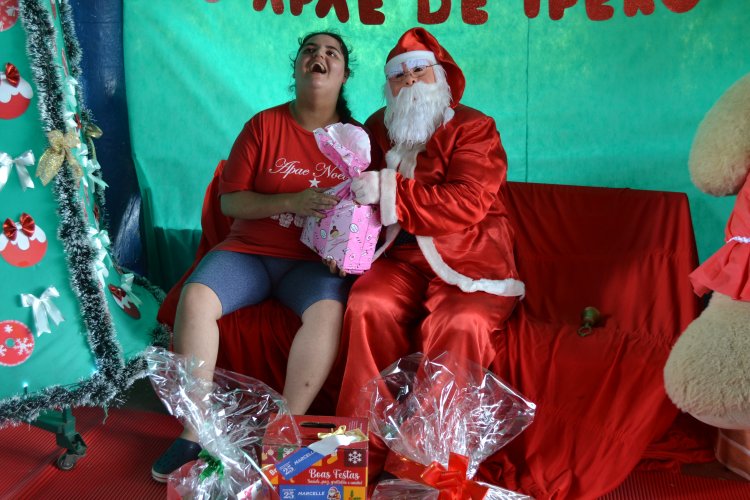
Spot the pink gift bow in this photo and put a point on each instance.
(348, 162)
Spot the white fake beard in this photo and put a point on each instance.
(416, 112)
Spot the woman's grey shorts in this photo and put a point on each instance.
(243, 279)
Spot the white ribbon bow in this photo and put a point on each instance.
(90, 166)
(100, 241)
(43, 309)
(69, 90)
(21, 162)
(70, 120)
(127, 286)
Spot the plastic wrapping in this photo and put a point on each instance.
(404, 489)
(441, 418)
(231, 414)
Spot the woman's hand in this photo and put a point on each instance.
(334, 268)
(312, 201)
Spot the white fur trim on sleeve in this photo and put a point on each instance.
(505, 288)
(388, 214)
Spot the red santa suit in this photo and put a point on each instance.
(455, 287)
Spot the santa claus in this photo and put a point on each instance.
(446, 278)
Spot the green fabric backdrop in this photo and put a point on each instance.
(609, 103)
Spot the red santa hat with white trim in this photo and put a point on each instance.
(418, 43)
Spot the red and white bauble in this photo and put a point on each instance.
(15, 93)
(16, 343)
(22, 243)
(122, 300)
(8, 14)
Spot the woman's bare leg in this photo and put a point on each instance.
(312, 354)
(196, 332)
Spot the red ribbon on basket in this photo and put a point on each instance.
(450, 481)
(12, 75)
(27, 227)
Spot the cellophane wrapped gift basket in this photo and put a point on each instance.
(232, 414)
(441, 418)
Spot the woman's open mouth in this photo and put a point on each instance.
(317, 67)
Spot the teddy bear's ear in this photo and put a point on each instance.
(720, 155)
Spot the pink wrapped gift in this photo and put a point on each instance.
(348, 235)
(349, 232)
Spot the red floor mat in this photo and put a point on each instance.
(122, 448)
(670, 486)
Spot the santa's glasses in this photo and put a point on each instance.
(416, 68)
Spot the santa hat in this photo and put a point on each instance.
(417, 43)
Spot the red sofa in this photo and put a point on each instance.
(601, 406)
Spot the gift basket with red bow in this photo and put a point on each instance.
(441, 418)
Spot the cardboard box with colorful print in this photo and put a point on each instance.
(331, 464)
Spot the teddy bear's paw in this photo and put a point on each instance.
(708, 371)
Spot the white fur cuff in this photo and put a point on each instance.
(388, 214)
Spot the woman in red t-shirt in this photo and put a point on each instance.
(274, 177)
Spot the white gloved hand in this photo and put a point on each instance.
(366, 188)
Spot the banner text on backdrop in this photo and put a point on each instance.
(438, 11)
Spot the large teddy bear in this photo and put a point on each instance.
(708, 371)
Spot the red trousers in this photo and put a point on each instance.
(400, 307)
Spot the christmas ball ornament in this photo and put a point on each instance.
(122, 300)
(8, 14)
(15, 93)
(16, 343)
(22, 243)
